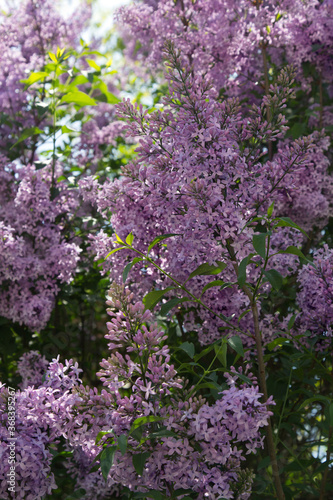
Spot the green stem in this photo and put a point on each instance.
(283, 408)
(206, 372)
(290, 451)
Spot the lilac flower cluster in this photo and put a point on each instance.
(200, 174)
(32, 367)
(38, 249)
(230, 42)
(315, 297)
(41, 411)
(35, 257)
(188, 443)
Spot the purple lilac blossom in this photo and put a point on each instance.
(203, 451)
(35, 257)
(193, 176)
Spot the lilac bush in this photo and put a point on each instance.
(214, 240)
(198, 175)
(27, 34)
(35, 257)
(231, 43)
(42, 94)
(182, 440)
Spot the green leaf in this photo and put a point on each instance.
(188, 347)
(160, 238)
(275, 278)
(29, 132)
(314, 399)
(54, 192)
(78, 80)
(79, 98)
(53, 57)
(291, 321)
(157, 495)
(207, 270)
(317, 46)
(139, 422)
(251, 221)
(129, 239)
(101, 434)
(60, 51)
(152, 298)
(277, 342)
(221, 353)
(41, 164)
(242, 270)
(165, 308)
(162, 433)
(236, 344)
(330, 411)
(286, 222)
(215, 283)
(139, 461)
(106, 459)
(259, 244)
(42, 107)
(93, 64)
(118, 238)
(111, 98)
(137, 434)
(295, 251)
(68, 130)
(270, 210)
(204, 352)
(129, 267)
(244, 313)
(181, 491)
(122, 443)
(35, 77)
(243, 377)
(114, 251)
(297, 130)
(265, 462)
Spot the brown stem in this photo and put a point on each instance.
(263, 388)
(262, 381)
(269, 117)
